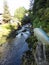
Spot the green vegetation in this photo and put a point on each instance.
(39, 16)
(28, 58)
(7, 28)
(6, 13)
(10, 24)
(25, 20)
(19, 13)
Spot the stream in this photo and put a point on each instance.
(11, 53)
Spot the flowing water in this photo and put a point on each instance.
(40, 55)
(43, 39)
(11, 53)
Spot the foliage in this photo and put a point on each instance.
(28, 58)
(5, 31)
(46, 15)
(39, 15)
(19, 13)
(6, 13)
(37, 21)
(26, 20)
(8, 27)
(31, 41)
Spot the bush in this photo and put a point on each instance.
(32, 42)
(5, 31)
(36, 22)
